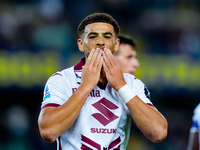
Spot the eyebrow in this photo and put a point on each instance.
(106, 33)
(95, 33)
(92, 33)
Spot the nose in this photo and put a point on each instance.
(136, 63)
(100, 42)
(134, 66)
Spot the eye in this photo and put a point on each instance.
(129, 57)
(107, 37)
(92, 37)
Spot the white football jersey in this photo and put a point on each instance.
(104, 121)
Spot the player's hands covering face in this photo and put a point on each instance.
(93, 65)
(113, 71)
(92, 68)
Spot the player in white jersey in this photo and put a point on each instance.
(194, 135)
(89, 106)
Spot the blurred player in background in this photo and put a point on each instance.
(126, 55)
(194, 140)
(90, 105)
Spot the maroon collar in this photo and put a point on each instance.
(79, 67)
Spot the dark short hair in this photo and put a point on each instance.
(98, 17)
(126, 39)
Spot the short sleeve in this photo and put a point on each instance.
(139, 88)
(54, 91)
(142, 91)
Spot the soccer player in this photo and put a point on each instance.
(90, 105)
(126, 55)
(193, 141)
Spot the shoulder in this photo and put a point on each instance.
(63, 73)
(60, 76)
(128, 76)
(131, 79)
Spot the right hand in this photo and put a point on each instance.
(92, 68)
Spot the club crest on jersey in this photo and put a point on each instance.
(46, 93)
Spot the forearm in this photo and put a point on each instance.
(54, 121)
(151, 123)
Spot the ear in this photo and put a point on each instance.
(80, 45)
(116, 44)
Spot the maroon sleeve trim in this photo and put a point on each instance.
(50, 104)
(149, 104)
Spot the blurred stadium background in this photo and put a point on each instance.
(38, 38)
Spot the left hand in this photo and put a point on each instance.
(113, 71)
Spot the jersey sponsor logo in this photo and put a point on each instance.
(74, 90)
(105, 116)
(103, 130)
(93, 93)
(46, 93)
(88, 144)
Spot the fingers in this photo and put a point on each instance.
(106, 62)
(94, 59)
(98, 58)
(90, 57)
(112, 69)
(109, 58)
(92, 68)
